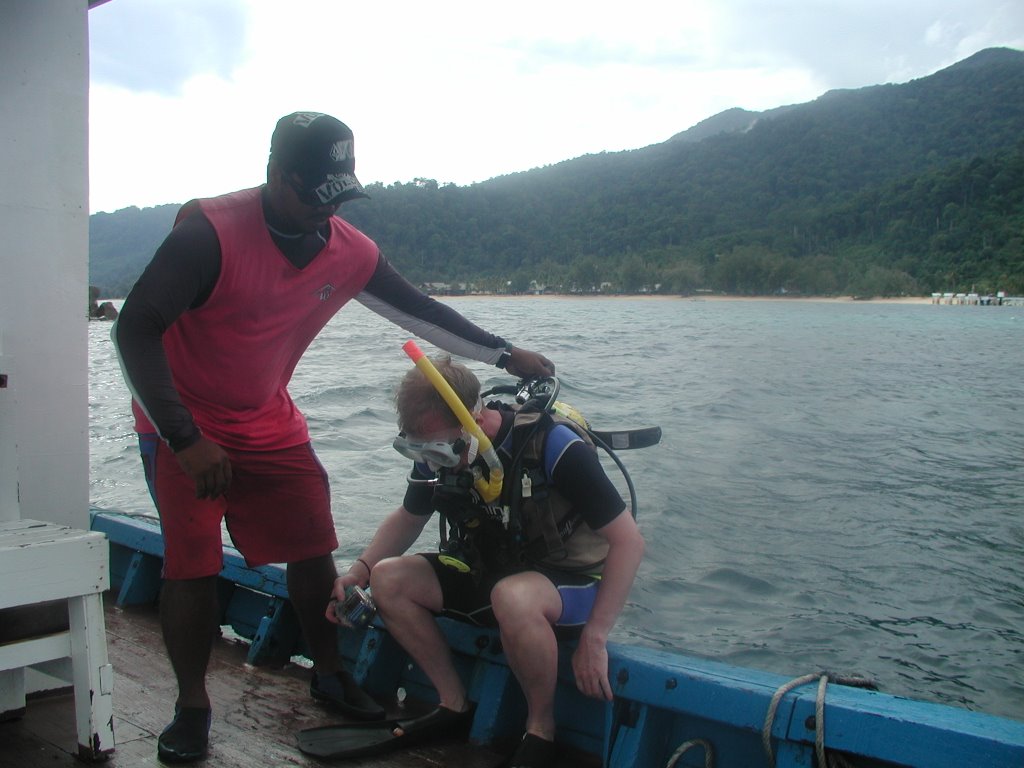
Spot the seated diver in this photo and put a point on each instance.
(577, 582)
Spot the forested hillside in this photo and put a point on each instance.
(884, 190)
(122, 243)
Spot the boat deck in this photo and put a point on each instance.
(257, 711)
(665, 702)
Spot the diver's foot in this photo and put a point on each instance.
(341, 691)
(533, 752)
(439, 723)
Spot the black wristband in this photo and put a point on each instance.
(506, 356)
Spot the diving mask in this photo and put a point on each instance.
(440, 453)
(433, 453)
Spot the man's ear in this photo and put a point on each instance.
(273, 169)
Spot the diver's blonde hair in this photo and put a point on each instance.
(416, 397)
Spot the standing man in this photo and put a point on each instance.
(557, 551)
(208, 339)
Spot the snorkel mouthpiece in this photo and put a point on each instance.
(490, 488)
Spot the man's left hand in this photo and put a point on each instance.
(525, 364)
(590, 667)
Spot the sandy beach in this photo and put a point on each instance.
(697, 297)
(822, 299)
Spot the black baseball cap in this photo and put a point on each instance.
(320, 149)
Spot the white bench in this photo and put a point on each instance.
(43, 562)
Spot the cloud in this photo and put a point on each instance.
(851, 45)
(154, 45)
(185, 94)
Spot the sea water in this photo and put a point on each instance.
(839, 485)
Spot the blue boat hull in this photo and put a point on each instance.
(669, 709)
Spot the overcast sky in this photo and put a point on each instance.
(185, 94)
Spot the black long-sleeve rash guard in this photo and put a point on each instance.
(182, 276)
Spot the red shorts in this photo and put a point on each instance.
(277, 509)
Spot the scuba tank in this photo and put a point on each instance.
(531, 523)
(475, 505)
(542, 394)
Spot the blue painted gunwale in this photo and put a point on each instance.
(662, 699)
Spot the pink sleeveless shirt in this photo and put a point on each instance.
(232, 358)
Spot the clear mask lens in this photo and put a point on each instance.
(434, 453)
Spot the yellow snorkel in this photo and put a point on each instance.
(490, 488)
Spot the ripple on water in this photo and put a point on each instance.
(838, 486)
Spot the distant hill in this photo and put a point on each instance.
(881, 190)
(122, 243)
(733, 120)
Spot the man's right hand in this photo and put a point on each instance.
(525, 363)
(208, 466)
(338, 595)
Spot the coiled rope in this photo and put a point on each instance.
(823, 679)
(686, 746)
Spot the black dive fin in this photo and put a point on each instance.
(625, 439)
(349, 740)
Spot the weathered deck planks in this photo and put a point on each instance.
(256, 711)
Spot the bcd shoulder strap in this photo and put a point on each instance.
(531, 494)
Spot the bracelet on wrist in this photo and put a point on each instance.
(505, 357)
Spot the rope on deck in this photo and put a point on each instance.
(823, 679)
(686, 746)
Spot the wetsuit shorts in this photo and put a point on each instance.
(277, 509)
(467, 598)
